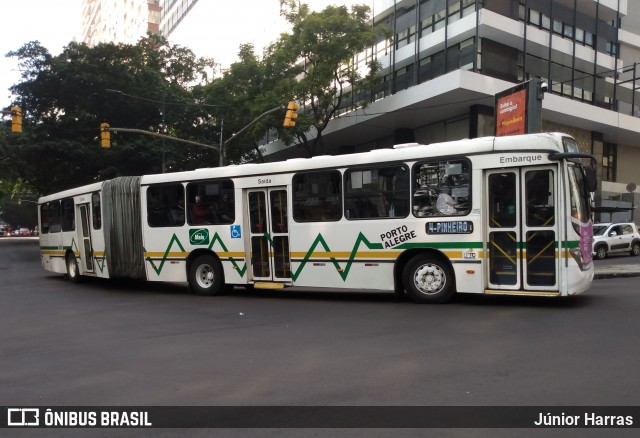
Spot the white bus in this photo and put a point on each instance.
(495, 215)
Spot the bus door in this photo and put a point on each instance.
(84, 234)
(522, 226)
(269, 235)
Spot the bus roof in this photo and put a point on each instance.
(71, 192)
(409, 152)
(405, 152)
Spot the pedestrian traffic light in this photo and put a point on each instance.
(105, 136)
(291, 116)
(16, 119)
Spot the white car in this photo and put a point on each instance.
(615, 238)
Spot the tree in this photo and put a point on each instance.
(241, 94)
(317, 64)
(312, 64)
(64, 99)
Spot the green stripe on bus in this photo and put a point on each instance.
(361, 241)
(176, 240)
(440, 245)
(344, 273)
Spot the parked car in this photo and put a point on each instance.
(614, 238)
(24, 232)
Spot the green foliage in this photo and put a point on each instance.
(312, 64)
(66, 97)
(318, 61)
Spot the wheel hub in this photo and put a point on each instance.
(429, 279)
(205, 276)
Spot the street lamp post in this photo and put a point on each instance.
(631, 188)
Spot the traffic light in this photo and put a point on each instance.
(16, 119)
(291, 116)
(105, 136)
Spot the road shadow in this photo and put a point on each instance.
(577, 301)
(123, 285)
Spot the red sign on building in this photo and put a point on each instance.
(511, 113)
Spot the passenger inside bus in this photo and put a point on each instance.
(224, 210)
(200, 213)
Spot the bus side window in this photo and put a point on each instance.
(210, 202)
(68, 215)
(441, 188)
(317, 196)
(96, 211)
(55, 218)
(165, 205)
(43, 224)
(377, 192)
(49, 217)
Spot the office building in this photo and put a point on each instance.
(447, 59)
(118, 21)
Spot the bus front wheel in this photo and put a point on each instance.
(73, 273)
(205, 276)
(428, 280)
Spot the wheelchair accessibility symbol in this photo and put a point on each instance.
(236, 233)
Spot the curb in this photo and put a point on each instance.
(604, 275)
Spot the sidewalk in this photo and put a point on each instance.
(617, 271)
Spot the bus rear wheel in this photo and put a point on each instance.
(205, 276)
(73, 273)
(428, 280)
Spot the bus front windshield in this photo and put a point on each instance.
(580, 216)
(579, 197)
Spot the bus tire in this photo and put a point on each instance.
(206, 276)
(73, 273)
(601, 252)
(428, 280)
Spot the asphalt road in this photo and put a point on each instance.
(127, 343)
(622, 259)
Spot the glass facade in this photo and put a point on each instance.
(583, 26)
(173, 11)
(570, 44)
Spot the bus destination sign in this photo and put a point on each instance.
(449, 227)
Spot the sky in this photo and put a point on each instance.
(217, 28)
(52, 22)
(216, 34)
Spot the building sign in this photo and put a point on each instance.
(511, 114)
(518, 109)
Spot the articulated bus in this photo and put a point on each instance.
(494, 215)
